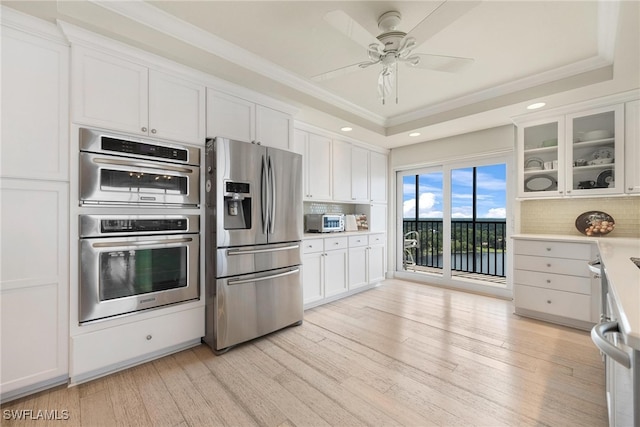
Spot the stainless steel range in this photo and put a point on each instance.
(254, 228)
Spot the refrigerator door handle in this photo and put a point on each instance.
(273, 197)
(264, 193)
(260, 251)
(597, 335)
(260, 279)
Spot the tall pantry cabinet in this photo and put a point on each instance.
(34, 188)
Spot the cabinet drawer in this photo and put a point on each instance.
(377, 239)
(558, 303)
(560, 282)
(568, 250)
(333, 243)
(357, 241)
(574, 267)
(312, 245)
(102, 349)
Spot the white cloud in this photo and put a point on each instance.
(427, 203)
(496, 213)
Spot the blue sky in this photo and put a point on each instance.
(491, 193)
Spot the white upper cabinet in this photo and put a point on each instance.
(378, 177)
(571, 155)
(316, 152)
(232, 117)
(117, 94)
(273, 128)
(35, 105)
(632, 147)
(350, 173)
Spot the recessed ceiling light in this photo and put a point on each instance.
(414, 134)
(536, 106)
(346, 129)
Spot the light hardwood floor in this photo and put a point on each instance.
(399, 354)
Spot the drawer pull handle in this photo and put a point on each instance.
(548, 265)
(548, 249)
(548, 301)
(149, 337)
(548, 280)
(336, 243)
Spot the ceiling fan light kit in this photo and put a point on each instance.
(393, 46)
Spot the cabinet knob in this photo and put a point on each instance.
(630, 188)
(568, 191)
(153, 131)
(548, 249)
(144, 129)
(548, 265)
(548, 301)
(548, 280)
(149, 337)
(336, 243)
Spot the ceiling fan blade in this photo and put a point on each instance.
(341, 71)
(447, 64)
(349, 27)
(439, 19)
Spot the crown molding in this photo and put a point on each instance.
(165, 23)
(16, 20)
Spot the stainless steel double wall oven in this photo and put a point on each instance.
(148, 257)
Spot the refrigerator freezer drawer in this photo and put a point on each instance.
(249, 259)
(247, 307)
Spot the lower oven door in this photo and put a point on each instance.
(253, 305)
(122, 275)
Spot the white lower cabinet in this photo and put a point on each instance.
(333, 267)
(552, 282)
(34, 285)
(118, 347)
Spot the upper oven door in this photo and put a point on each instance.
(121, 275)
(108, 179)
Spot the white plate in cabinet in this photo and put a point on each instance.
(109, 347)
(553, 249)
(558, 303)
(575, 267)
(560, 282)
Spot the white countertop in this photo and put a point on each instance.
(623, 276)
(338, 234)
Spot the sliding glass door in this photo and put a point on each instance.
(454, 221)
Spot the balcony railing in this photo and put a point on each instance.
(476, 246)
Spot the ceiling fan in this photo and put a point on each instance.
(392, 46)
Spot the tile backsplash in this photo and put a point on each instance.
(558, 216)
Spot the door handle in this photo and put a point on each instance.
(260, 251)
(264, 192)
(164, 167)
(272, 196)
(598, 338)
(260, 279)
(125, 243)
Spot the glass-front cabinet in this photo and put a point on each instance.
(575, 154)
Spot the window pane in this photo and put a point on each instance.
(491, 191)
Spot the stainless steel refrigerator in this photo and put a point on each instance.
(253, 232)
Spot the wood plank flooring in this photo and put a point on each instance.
(401, 354)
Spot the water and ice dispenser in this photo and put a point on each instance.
(237, 205)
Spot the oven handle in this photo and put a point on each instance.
(144, 243)
(597, 335)
(260, 279)
(260, 251)
(164, 167)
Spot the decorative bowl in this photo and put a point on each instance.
(595, 135)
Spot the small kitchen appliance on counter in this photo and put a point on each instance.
(324, 223)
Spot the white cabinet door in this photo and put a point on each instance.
(176, 108)
(35, 107)
(230, 117)
(341, 159)
(378, 177)
(110, 92)
(632, 147)
(359, 174)
(312, 277)
(273, 128)
(377, 263)
(34, 283)
(358, 266)
(319, 166)
(335, 272)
